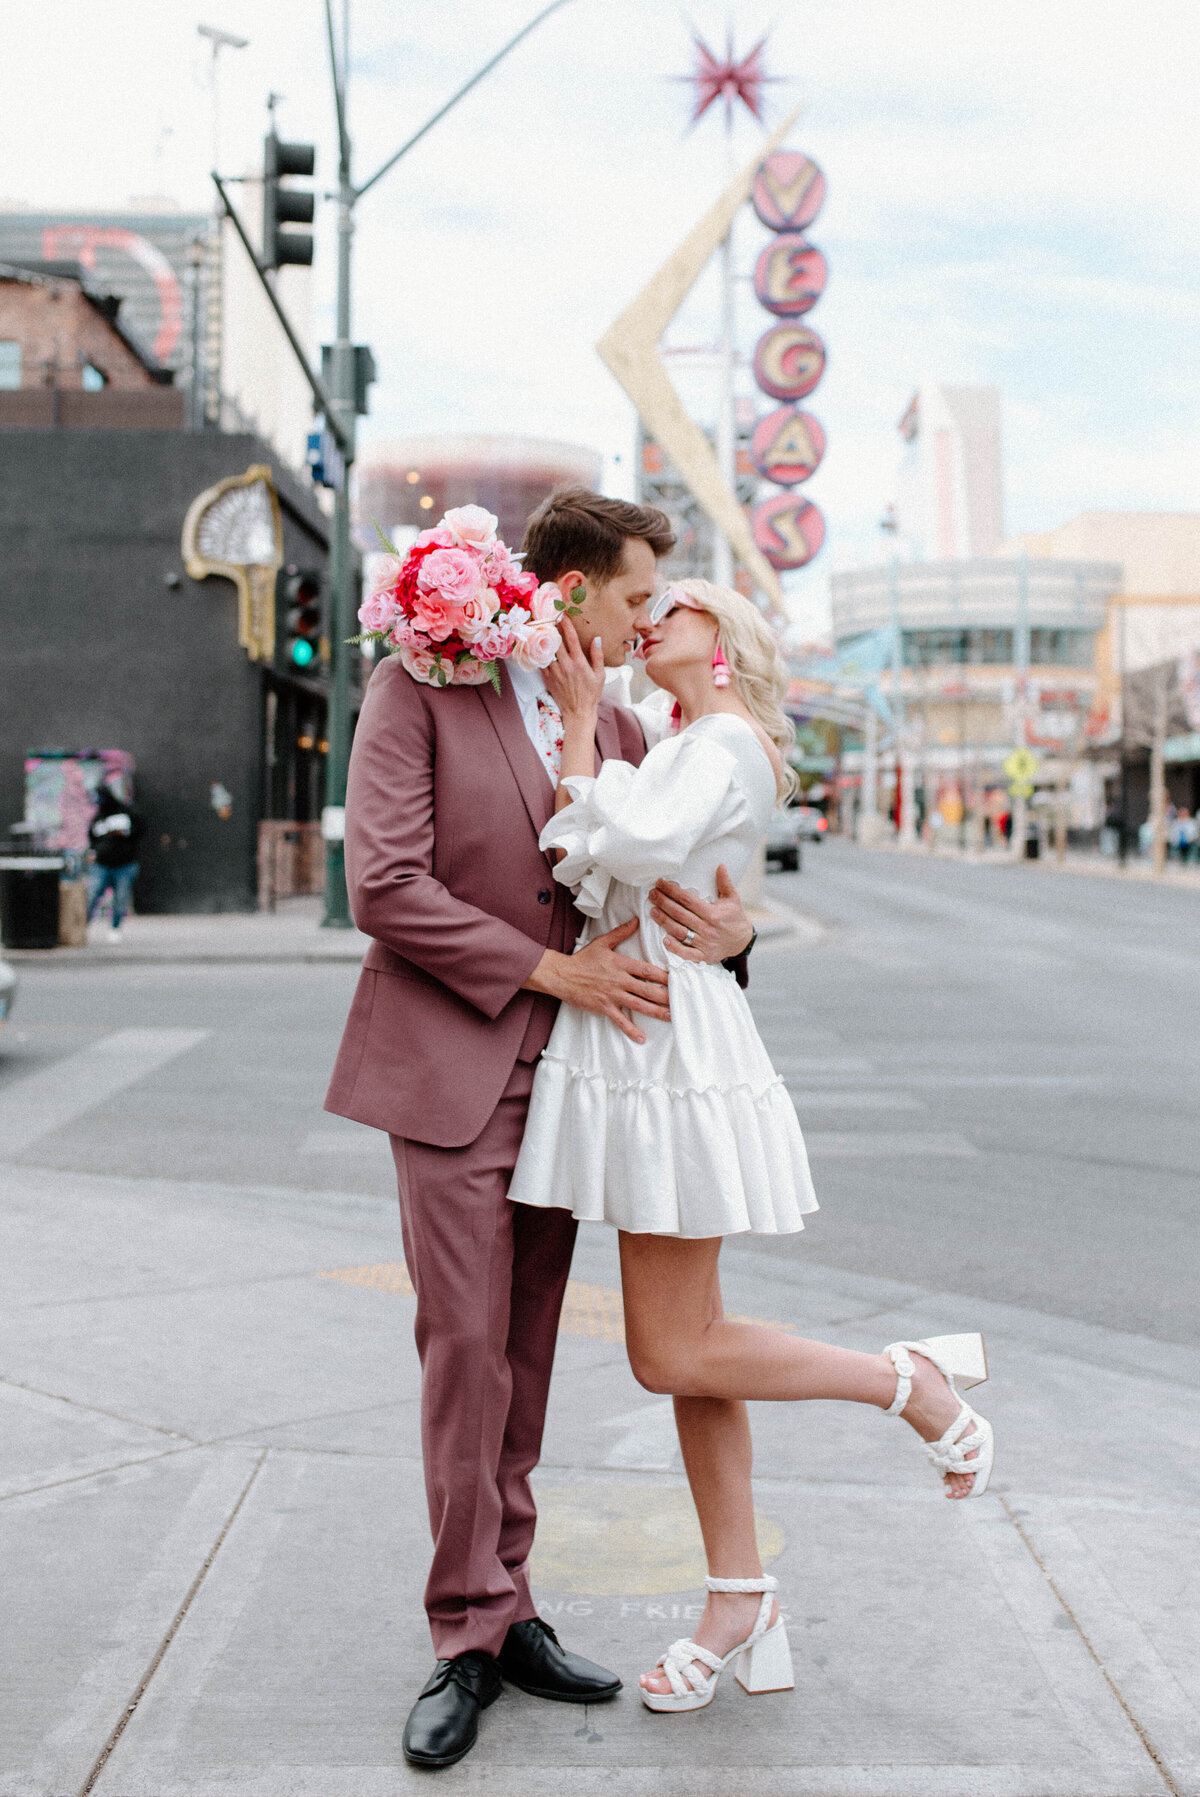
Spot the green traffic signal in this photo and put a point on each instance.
(301, 614)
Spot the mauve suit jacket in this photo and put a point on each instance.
(446, 800)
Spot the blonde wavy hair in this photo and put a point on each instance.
(759, 671)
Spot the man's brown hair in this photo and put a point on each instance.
(575, 528)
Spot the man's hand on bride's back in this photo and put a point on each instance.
(575, 678)
(597, 978)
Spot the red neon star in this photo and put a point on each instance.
(727, 78)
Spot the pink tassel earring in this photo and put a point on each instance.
(720, 667)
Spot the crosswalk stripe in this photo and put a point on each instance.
(45, 1101)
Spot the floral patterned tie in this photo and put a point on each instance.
(550, 734)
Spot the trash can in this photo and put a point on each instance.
(29, 900)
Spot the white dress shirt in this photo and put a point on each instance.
(529, 684)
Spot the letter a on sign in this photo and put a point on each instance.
(788, 191)
(787, 446)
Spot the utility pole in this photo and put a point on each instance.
(339, 401)
(1020, 814)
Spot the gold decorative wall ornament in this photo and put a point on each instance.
(629, 349)
(234, 530)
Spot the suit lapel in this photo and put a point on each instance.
(522, 757)
(608, 740)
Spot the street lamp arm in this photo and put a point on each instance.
(319, 390)
(455, 98)
(339, 90)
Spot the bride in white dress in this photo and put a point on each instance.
(689, 1135)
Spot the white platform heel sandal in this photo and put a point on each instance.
(762, 1662)
(961, 1358)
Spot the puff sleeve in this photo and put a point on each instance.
(637, 825)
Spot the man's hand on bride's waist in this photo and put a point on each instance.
(597, 978)
(697, 930)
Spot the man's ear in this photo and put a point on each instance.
(573, 586)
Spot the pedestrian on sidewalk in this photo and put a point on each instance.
(692, 1136)
(114, 834)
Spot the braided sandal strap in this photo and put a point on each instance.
(679, 1665)
(901, 1359)
(767, 1585)
(949, 1454)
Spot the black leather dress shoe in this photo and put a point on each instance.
(445, 1718)
(534, 1661)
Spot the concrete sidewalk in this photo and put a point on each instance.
(216, 1535)
(293, 932)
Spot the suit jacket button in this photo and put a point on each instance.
(545, 896)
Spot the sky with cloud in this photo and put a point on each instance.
(1014, 198)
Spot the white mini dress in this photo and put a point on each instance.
(693, 1133)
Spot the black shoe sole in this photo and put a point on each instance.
(428, 1763)
(603, 1696)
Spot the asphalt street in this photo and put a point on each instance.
(215, 1538)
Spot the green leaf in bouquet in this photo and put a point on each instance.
(493, 674)
(384, 538)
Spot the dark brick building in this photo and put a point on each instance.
(105, 642)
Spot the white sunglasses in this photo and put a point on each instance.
(665, 602)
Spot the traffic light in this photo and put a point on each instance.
(286, 205)
(301, 597)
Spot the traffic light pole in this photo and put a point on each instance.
(338, 401)
(341, 586)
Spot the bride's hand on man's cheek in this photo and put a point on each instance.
(575, 678)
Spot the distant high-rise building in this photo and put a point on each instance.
(950, 484)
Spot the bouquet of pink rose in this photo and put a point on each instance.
(458, 604)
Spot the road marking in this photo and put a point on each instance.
(346, 1142)
(813, 1098)
(793, 1066)
(54, 1096)
(591, 1310)
(648, 1442)
(884, 1145)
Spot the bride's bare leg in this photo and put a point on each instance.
(680, 1342)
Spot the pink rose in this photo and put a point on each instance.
(471, 527)
(403, 634)
(469, 672)
(439, 535)
(377, 610)
(540, 645)
(499, 564)
(493, 644)
(452, 574)
(527, 584)
(477, 614)
(419, 663)
(546, 602)
(436, 616)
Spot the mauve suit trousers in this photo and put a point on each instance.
(489, 1278)
(446, 799)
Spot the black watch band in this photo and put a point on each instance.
(730, 963)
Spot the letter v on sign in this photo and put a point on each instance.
(788, 191)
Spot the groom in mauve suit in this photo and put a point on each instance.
(449, 790)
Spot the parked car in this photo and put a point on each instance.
(811, 824)
(8, 990)
(783, 838)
